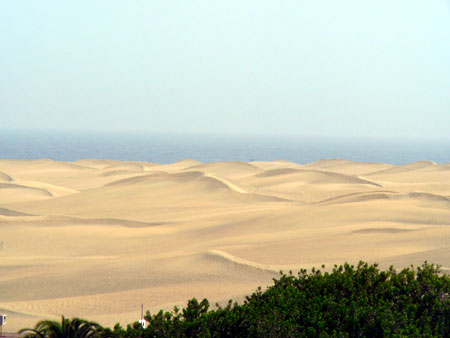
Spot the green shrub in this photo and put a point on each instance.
(349, 301)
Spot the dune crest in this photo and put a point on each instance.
(12, 213)
(5, 177)
(242, 264)
(405, 168)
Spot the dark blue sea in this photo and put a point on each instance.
(169, 148)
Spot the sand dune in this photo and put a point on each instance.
(10, 193)
(307, 186)
(348, 167)
(128, 166)
(443, 167)
(96, 164)
(43, 165)
(177, 166)
(233, 169)
(383, 230)
(22, 190)
(275, 164)
(110, 164)
(5, 177)
(358, 197)
(317, 177)
(405, 168)
(437, 201)
(240, 264)
(8, 212)
(429, 197)
(115, 172)
(96, 238)
(15, 216)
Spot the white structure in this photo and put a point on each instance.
(2, 322)
(143, 322)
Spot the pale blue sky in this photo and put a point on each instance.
(321, 68)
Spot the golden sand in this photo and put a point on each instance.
(96, 238)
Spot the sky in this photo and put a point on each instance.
(306, 68)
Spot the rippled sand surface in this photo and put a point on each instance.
(97, 238)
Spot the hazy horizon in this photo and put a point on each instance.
(295, 68)
(170, 148)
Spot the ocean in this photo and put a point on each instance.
(169, 148)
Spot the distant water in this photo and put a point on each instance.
(171, 148)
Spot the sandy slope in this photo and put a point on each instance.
(97, 238)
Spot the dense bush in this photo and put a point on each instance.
(347, 302)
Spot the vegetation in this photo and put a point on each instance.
(67, 328)
(350, 301)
